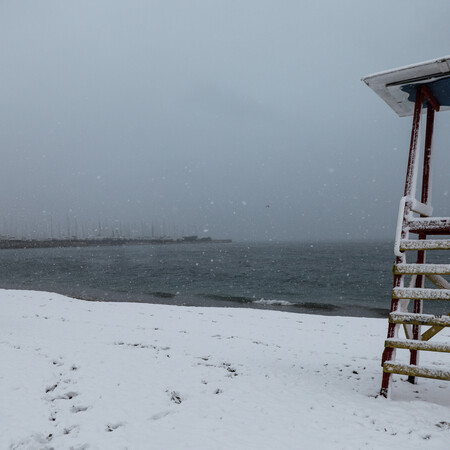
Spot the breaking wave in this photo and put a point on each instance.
(229, 298)
(274, 302)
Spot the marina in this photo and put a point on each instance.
(61, 243)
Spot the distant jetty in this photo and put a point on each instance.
(75, 242)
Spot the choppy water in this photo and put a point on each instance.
(324, 278)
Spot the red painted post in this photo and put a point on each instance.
(426, 186)
(409, 187)
(426, 191)
(413, 145)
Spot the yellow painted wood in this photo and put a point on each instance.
(411, 344)
(417, 371)
(427, 335)
(421, 294)
(431, 244)
(420, 319)
(421, 269)
(429, 225)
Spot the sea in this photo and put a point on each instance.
(328, 278)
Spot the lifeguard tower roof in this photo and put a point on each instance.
(397, 87)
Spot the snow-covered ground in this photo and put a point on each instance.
(86, 375)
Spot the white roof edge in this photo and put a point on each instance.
(388, 84)
(443, 59)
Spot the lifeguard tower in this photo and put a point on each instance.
(418, 286)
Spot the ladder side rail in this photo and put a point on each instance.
(402, 229)
(430, 244)
(418, 309)
(411, 175)
(426, 200)
(427, 167)
(412, 168)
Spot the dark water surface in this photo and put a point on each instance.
(324, 278)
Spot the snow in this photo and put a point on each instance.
(443, 269)
(416, 67)
(92, 375)
(432, 244)
(426, 294)
(388, 84)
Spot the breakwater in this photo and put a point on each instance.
(59, 243)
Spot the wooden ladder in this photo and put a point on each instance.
(414, 339)
(409, 278)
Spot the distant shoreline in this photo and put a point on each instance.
(59, 243)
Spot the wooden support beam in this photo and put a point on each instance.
(421, 294)
(436, 225)
(431, 98)
(411, 344)
(416, 371)
(439, 281)
(420, 319)
(421, 269)
(427, 335)
(431, 244)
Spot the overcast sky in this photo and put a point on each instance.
(244, 118)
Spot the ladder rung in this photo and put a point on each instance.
(417, 371)
(435, 225)
(413, 269)
(411, 344)
(421, 294)
(423, 244)
(419, 319)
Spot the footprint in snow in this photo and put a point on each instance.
(66, 396)
(77, 409)
(175, 397)
(113, 426)
(69, 430)
(160, 415)
(51, 388)
(443, 425)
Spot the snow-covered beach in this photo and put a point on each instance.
(94, 375)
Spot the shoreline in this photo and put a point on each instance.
(263, 277)
(213, 301)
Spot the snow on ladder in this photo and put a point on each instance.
(410, 91)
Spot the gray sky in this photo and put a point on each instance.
(197, 115)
